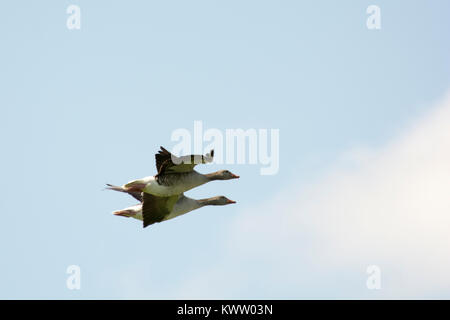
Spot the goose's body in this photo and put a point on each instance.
(168, 184)
(175, 175)
(174, 183)
(182, 206)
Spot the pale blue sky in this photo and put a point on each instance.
(81, 108)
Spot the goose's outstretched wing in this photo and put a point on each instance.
(155, 209)
(166, 162)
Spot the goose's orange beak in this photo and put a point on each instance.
(231, 201)
(234, 176)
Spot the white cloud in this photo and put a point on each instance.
(390, 207)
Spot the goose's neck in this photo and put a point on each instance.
(213, 176)
(214, 201)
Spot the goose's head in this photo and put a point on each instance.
(222, 200)
(225, 175)
(217, 201)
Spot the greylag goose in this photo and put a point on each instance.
(182, 206)
(175, 175)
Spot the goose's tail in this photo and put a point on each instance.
(115, 188)
(123, 213)
(130, 212)
(135, 194)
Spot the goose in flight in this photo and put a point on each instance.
(182, 206)
(175, 176)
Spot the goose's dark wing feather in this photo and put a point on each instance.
(155, 209)
(136, 195)
(162, 156)
(167, 162)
